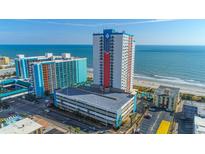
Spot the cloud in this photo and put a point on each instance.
(137, 22)
(59, 23)
(101, 24)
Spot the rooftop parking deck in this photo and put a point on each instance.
(112, 101)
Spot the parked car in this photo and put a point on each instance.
(152, 109)
(47, 110)
(137, 131)
(148, 116)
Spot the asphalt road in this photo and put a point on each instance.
(26, 107)
(72, 120)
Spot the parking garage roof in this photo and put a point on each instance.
(199, 105)
(111, 101)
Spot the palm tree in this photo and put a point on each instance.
(77, 130)
(70, 129)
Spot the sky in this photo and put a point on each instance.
(79, 31)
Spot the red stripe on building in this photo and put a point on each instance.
(106, 69)
(46, 78)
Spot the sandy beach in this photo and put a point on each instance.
(198, 90)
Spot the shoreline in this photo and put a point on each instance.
(143, 81)
(183, 89)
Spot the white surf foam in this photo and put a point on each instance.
(170, 80)
(167, 80)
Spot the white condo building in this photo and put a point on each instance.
(113, 60)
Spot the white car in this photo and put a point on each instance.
(47, 110)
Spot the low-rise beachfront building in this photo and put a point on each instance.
(4, 60)
(199, 125)
(166, 97)
(24, 126)
(192, 108)
(108, 108)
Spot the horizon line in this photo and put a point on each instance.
(92, 44)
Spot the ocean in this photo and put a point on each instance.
(177, 64)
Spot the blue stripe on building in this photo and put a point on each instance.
(135, 103)
(38, 79)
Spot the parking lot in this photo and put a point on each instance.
(151, 124)
(19, 106)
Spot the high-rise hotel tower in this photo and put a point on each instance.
(48, 73)
(113, 60)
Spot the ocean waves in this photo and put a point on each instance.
(170, 80)
(166, 80)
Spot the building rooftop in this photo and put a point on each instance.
(58, 61)
(24, 126)
(199, 125)
(200, 107)
(164, 127)
(112, 101)
(167, 91)
(55, 59)
(49, 56)
(113, 32)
